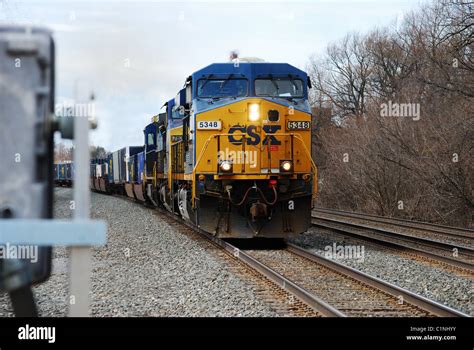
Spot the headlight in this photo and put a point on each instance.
(226, 166)
(286, 166)
(254, 112)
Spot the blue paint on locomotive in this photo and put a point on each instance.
(175, 118)
(140, 165)
(250, 71)
(150, 137)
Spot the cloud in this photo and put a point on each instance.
(61, 27)
(136, 55)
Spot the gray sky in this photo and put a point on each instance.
(135, 55)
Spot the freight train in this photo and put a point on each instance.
(229, 154)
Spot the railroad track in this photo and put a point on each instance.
(328, 287)
(446, 231)
(346, 291)
(461, 256)
(374, 297)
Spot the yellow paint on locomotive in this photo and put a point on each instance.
(254, 147)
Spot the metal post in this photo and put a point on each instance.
(80, 256)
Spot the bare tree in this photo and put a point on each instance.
(341, 77)
(98, 152)
(399, 165)
(63, 153)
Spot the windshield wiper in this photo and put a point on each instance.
(293, 81)
(217, 98)
(207, 80)
(211, 100)
(291, 98)
(226, 80)
(274, 84)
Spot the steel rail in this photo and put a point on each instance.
(412, 298)
(415, 239)
(307, 297)
(401, 241)
(314, 302)
(301, 294)
(456, 232)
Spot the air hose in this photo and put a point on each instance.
(261, 195)
(265, 199)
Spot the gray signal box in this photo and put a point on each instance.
(26, 144)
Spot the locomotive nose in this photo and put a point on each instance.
(254, 138)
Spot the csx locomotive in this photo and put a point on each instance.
(230, 153)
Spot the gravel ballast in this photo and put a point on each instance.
(148, 268)
(422, 278)
(151, 266)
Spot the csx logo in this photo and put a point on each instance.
(252, 137)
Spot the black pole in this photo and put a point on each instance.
(23, 302)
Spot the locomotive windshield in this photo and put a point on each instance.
(217, 88)
(279, 87)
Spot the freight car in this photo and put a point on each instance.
(229, 154)
(63, 173)
(99, 175)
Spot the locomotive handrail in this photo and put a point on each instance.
(297, 136)
(198, 160)
(313, 166)
(308, 154)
